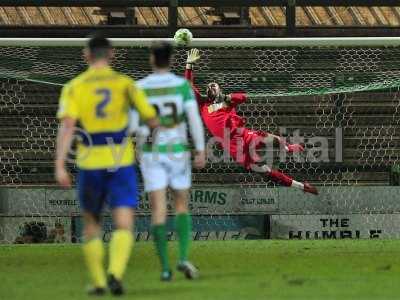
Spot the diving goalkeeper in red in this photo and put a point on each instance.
(218, 112)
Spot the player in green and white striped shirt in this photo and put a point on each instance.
(165, 154)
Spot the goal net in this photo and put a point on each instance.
(338, 96)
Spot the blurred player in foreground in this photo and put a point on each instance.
(165, 157)
(218, 112)
(99, 99)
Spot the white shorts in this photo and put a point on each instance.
(162, 170)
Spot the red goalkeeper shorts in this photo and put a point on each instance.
(243, 145)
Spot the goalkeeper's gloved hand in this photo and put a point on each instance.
(192, 57)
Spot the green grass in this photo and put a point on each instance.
(231, 270)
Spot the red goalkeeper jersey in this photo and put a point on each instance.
(218, 116)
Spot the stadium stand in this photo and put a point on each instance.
(190, 16)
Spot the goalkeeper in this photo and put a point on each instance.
(218, 112)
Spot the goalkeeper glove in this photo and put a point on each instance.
(192, 57)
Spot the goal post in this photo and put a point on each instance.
(338, 95)
(214, 42)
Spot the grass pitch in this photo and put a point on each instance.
(338, 269)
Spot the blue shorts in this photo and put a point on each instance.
(117, 188)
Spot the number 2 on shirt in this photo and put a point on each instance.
(100, 113)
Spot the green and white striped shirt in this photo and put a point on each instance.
(176, 106)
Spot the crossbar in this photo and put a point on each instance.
(215, 42)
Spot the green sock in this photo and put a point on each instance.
(160, 240)
(183, 223)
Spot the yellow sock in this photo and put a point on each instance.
(120, 249)
(93, 251)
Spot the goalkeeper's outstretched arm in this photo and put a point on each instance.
(192, 57)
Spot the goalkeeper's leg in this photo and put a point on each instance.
(244, 143)
(183, 225)
(288, 181)
(254, 140)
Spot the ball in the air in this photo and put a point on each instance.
(183, 37)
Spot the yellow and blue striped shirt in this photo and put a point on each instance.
(100, 99)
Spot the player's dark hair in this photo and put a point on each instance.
(99, 46)
(162, 53)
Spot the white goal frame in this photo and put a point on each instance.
(213, 42)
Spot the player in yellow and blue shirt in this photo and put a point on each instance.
(99, 100)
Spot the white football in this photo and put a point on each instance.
(183, 37)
